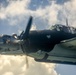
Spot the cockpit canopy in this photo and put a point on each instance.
(67, 29)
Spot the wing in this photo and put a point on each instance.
(69, 44)
(60, 55)
(64, 53)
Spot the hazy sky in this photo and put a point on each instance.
(14, 15)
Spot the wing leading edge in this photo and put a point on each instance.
(69, 44)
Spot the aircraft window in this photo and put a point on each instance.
(74, 30)
(58, 28)
(55, 27)
(69, 29)
(64, 28)
(52, 28)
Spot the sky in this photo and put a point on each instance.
(14, 15)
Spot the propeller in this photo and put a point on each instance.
(25, 36)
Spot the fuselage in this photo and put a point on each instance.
(45, 40)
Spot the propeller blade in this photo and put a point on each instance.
(27, 63)
(26, 57)
(20, 37)
(26, 33)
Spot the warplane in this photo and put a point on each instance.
(56, 45)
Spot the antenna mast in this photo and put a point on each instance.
(67, 22)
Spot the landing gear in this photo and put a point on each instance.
(43, 59)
